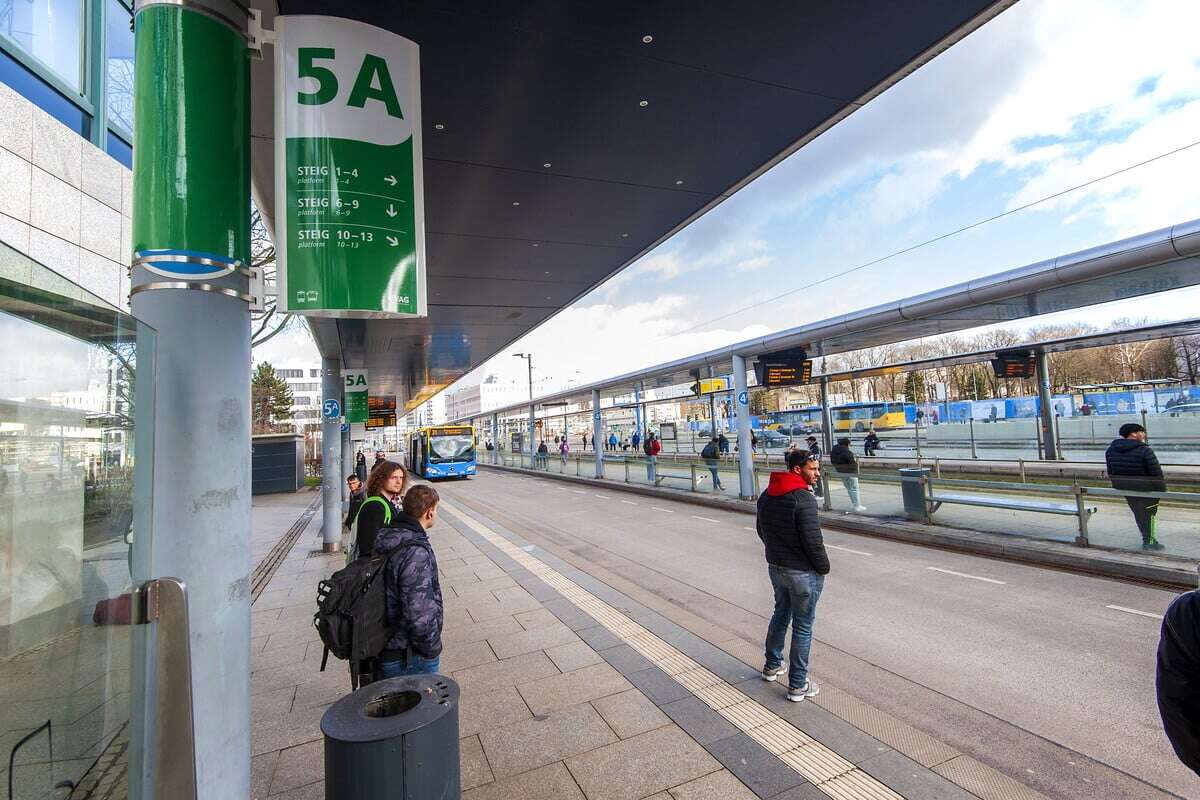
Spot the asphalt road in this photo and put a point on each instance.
(1046, 675)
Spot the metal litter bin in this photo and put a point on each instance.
(913, 492)
(395, 738)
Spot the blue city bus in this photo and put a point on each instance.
(444, 451)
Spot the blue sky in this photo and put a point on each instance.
(1050, 95)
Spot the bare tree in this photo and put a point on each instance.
(267, 324)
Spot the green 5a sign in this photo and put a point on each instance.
(355, 393)
(350, 222)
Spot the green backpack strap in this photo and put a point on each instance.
(387, 509)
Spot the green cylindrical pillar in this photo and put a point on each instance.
(191, 171)
(191, 212)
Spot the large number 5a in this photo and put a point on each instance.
(327, 84)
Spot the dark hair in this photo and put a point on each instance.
(379, 476)
(353, 476)
(798, 458)
(1130, 428)
(419, 500)
(844, 440)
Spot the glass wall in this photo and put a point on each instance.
(49, 30)
(68, 368)
(118, 59)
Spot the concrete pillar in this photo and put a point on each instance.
(533, 444)
(826, 418)
(1049, 436)
(742, 410)
(598, 433)
(331, 459)
(190, 239)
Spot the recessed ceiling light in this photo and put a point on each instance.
(679, 182)
(547, 165)
(518, 202)
(547, 297)
(439, 126)
(535, 244)
(643, 103)
(624, 235)
(647, 39)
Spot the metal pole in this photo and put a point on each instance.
(191, 182)
(495, 433)
(742, 411)
(331, 459)
(971, 422)
(826, 416)
(532, 448)
(1047, 402)
(597, 432)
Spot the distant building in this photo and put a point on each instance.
(305, 383)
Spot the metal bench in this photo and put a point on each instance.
(935, 498)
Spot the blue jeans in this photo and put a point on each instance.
(413, 665)
(796, 595)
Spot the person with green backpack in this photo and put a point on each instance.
(385, 489)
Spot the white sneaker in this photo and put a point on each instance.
(860, 509)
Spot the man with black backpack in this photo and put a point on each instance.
(712, 459)
(414, 595)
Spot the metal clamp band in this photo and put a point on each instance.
(148, 262)
(200, 8)
(191, 286)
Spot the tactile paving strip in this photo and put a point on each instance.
(828, 771)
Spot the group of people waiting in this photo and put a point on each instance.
(388, 516)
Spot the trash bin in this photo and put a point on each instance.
(395, 738)
(913, 492)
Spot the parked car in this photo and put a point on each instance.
(1184, 410)
(773, 439)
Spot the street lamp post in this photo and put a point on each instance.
(532, 427)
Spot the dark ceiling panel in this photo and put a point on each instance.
(515, 86)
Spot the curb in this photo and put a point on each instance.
(1166, 571)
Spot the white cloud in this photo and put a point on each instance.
(293, 346)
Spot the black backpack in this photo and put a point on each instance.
(709, 451)
(351, 613)
(647, 447)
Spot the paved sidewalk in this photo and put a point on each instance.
(572, 690)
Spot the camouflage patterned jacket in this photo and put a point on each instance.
(414, 595)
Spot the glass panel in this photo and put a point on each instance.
(67, 510)
(118, 57)
(48, 30)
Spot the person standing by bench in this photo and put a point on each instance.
(1133, 467)
(846, 466)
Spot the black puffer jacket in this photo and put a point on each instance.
(789, 526)
(1178, 681)
(843, 459)
(1133, 466)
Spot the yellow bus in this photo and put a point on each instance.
(859, 417)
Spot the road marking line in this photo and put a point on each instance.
(848, 550)
(579, 491)
(1135, 611)
(664, 510)
(745, 528)
(704, 519)
(629, 502)
(965, 575)
(602, 496)
(812, 760)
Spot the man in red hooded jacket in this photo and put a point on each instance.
(790, 528)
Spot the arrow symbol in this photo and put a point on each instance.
(391, 179)
(393, 241)
(391, 210)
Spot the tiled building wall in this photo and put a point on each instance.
(63, 202)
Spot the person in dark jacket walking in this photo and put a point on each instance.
(382, 504)
(712, 459)
(1132, 466)
(871, 443)
(414, 595)
(846, 466)
(1178, 678)
(360, 466)
(790, 529)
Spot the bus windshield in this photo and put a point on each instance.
(451, 448)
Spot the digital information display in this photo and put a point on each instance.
(381, 411)
(778, 373)
(1020, 366)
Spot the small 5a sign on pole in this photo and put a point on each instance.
(350, 219)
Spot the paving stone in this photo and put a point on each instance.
(461, 656)
(314, 791)
(579, 686)
(490, 708)
(658, 686)
(626, 660)
(641, 765)
(630, 713)
(473, 763)
(756, 767)
(538, 618)
(262, 769)
(910, 779)
(805, 791)
(478, 631)
(545, 739)
(539, 590)
(482, 609)
(272, 703)
(701, 722)
(299, 766)
(722, 785)
(569, 613)
(568, 657)
(287, 730)
(552, 782)
(528, 641)
(599, 637)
